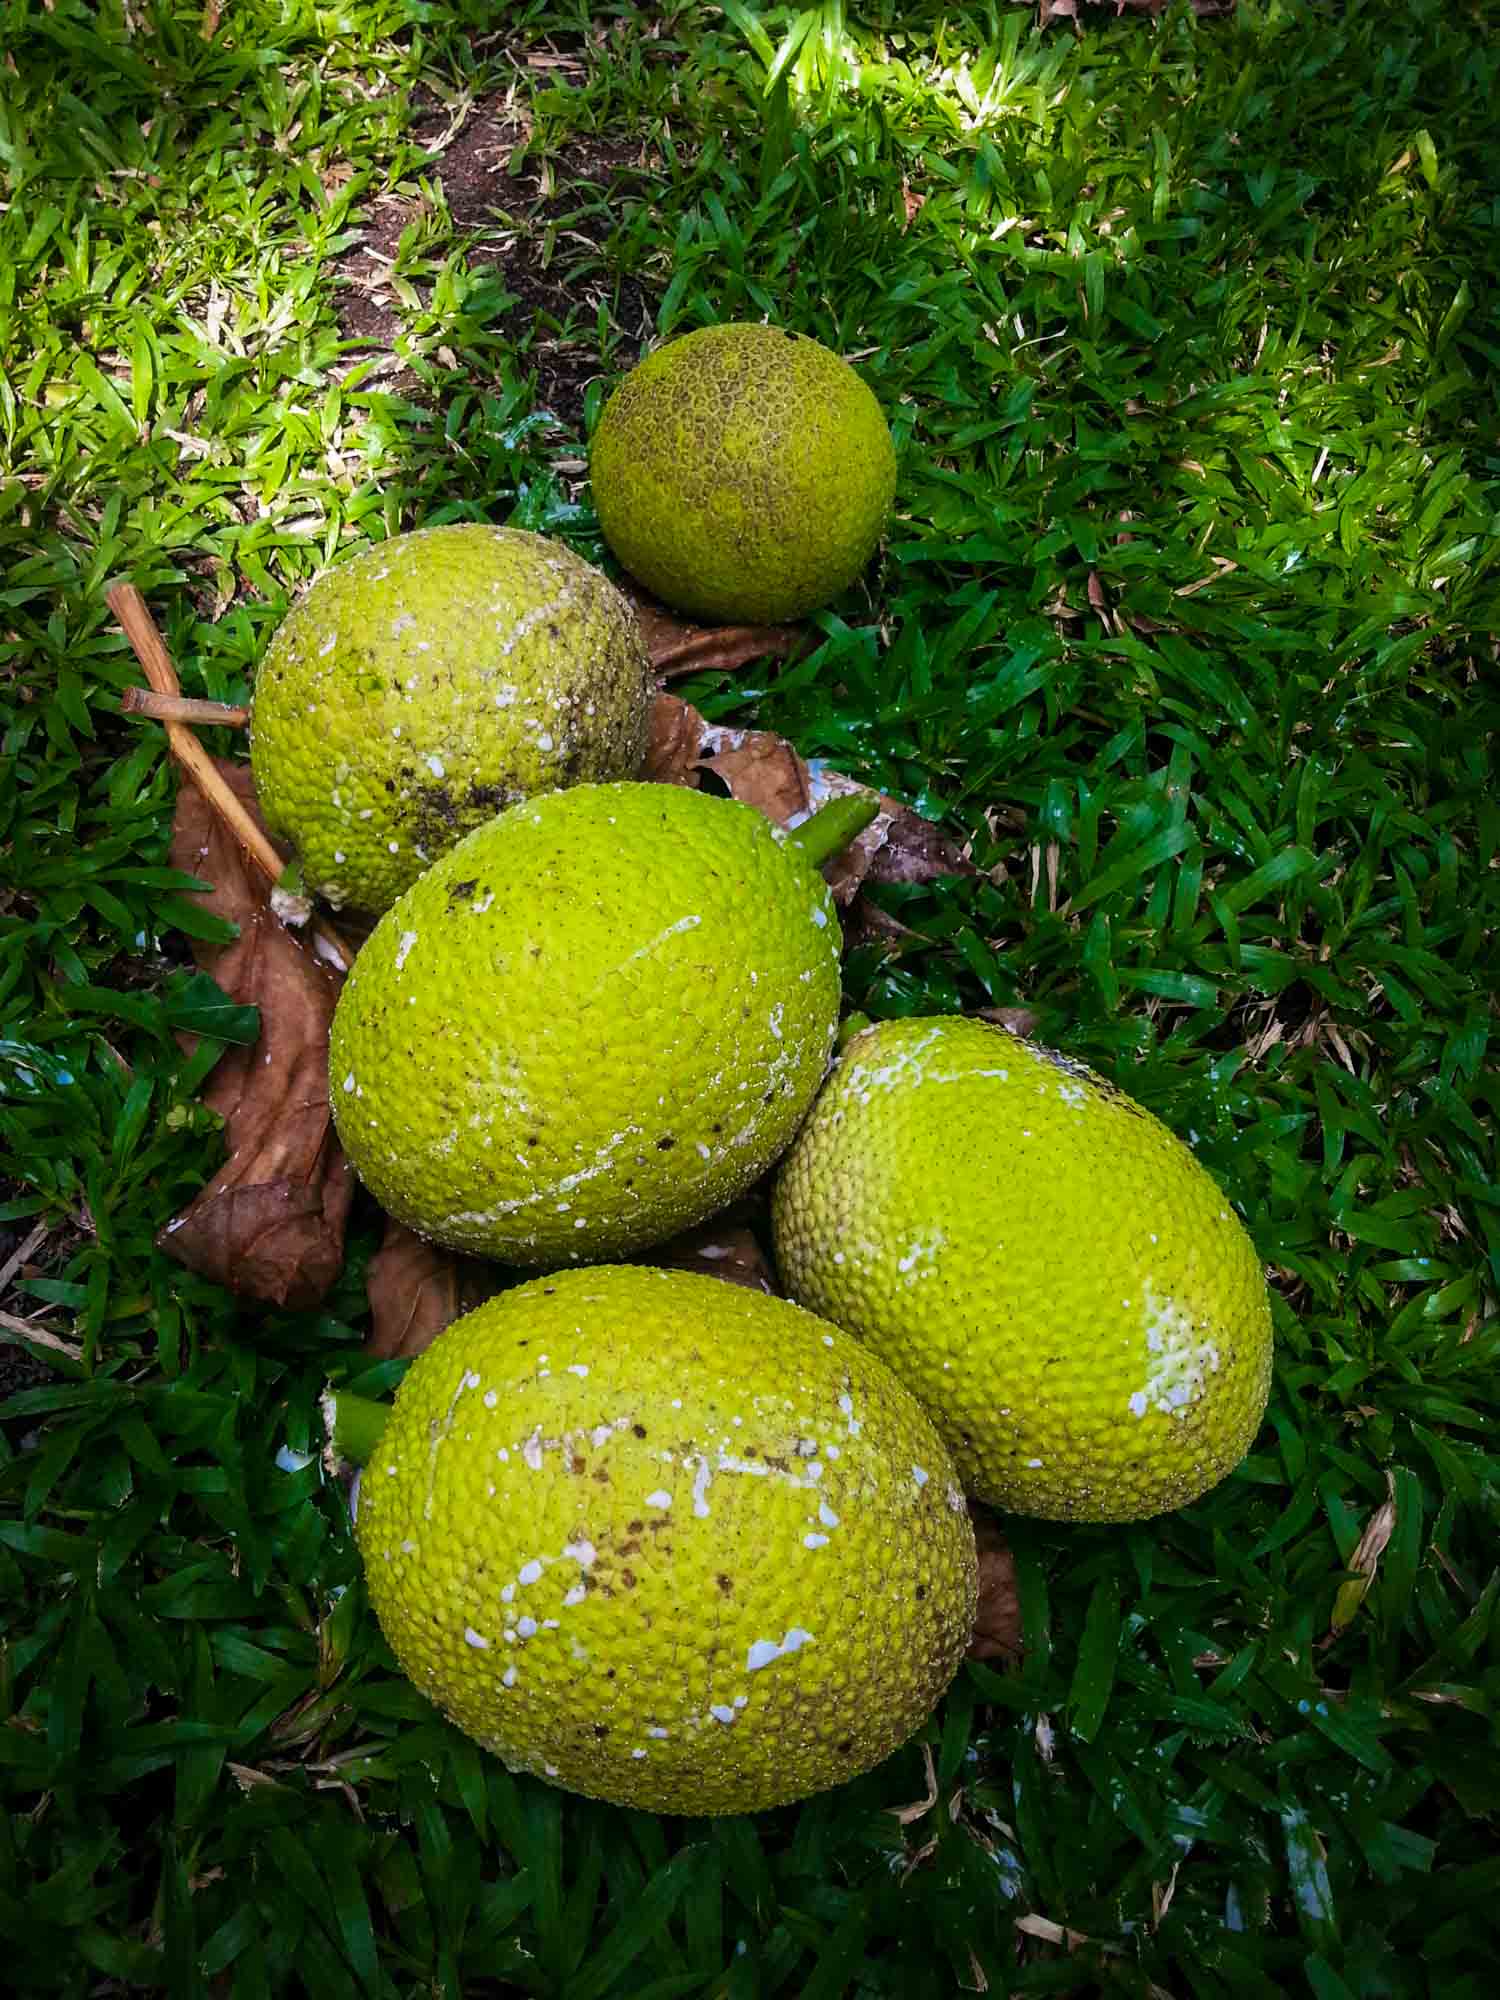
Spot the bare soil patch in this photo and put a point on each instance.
(539, 228)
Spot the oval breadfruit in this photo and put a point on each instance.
(426, 684)
(591, 1024)
(1042, 1262)
(667, 1541)
(743, 473)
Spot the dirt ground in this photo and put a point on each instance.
(509, 214)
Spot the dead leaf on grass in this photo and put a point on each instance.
(416, 1288)
(676, 730)
(677, 646)
(1020, 1021)
(763, 770)
(270, 1224)
(997, 1623)
(731, 1252)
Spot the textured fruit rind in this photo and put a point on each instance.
(743, 473)
(667, 1542)
(594, 1022)
(1040, 1260)
(428, 683)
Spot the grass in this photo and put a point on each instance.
(1188, 623)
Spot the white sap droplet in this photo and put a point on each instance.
(529, 1572)
(473, 1638)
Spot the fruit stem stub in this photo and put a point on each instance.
(354, 1424)
(831, 828)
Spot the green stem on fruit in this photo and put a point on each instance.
(354, 1424)
(852, 1025)
(831, 828)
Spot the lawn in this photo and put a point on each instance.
(1187, 627)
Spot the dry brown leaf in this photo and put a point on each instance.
(720, 1250)
(677, 646)
(760, 768)
(672, 747)
(866, 923)
(997, 1623)
(1020, 1020)
(763, 770)
(270, 1224)
(416, 1289)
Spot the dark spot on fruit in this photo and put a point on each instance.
(601, 1730)
(846, 1746)
(609, 1673)
(632, 1547)
(578, 1465)
(769, 1098)
(635, 1527)
(602, 1476)
(665, 1145)
(778, 1464)
(638, 1430)
(536, 951)
(921, 1592)
(718, 1128)
(458, 890)
(627, 1577)
(726, 1584)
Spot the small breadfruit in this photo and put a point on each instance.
(436, 678)
(1044, 1264)
(594, 1022)
(667, 1542)
(743, 473)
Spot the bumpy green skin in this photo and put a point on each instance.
(1041, 1261)
(743, 473)
(427, 684)
(667, 1542)
(592, 1023)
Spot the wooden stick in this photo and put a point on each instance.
(21, 1253)
(146, 642)
(22, 1329)
(181, 708)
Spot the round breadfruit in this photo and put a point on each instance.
(430, 682)
(743, 473)
(594, 1022)
(667, 1541)
(1041, 1261)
